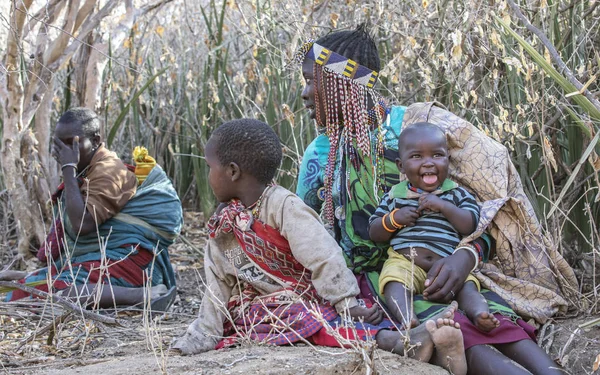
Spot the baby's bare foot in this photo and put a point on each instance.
(449, 346)
(414, 322)
(485, 321)
(446, 313)
(417, 342)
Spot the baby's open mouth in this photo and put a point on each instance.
(430, 178)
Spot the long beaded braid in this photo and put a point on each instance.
(376, 117)
(355, 126)
(331, 132)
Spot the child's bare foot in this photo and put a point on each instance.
(449, 347)
(446, 313)
(485, 321)
(416, 343)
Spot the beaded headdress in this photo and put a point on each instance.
(353, 109)
(338, 64)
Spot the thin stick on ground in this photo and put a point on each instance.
(63, 302)
(50, 328)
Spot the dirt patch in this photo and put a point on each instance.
(574, 347)
(255, 360)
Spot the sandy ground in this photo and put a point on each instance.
(256, 360)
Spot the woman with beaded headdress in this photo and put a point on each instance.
(351, 164)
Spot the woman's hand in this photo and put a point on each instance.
(372, 315)
(447, 276)
(65, 154)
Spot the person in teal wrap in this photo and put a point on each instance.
(346, 170)
(109, 238)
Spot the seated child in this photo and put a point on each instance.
(270, 263)
(423, 219)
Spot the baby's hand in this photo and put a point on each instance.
(406, 216)
(431, 202)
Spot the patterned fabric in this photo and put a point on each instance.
(277, 318)
(128, 272)
(135, 241)
(310, 186)
(337, 63)
(276, 324)
(432, 230)
(528, 271)
(264, 246)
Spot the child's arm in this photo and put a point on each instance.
(407, 216)
(205, 332)
(463, 217)
(381, 219)
(318, 251)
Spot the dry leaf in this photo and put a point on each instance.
(596, 363)
(594, 161)
(160, 31)
(334, 19)
(474, 95)
(457, 42)
(287, 112)
(547, 56)
(549, 153)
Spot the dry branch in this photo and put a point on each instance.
(52, 8)
(64, 303)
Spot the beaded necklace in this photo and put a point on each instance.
(256, 206)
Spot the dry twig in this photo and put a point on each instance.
(64, 303)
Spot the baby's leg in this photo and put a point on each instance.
(476, 307)
(399, 302)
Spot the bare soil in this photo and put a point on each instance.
(28, 345)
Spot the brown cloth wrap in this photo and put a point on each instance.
(108, 185)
